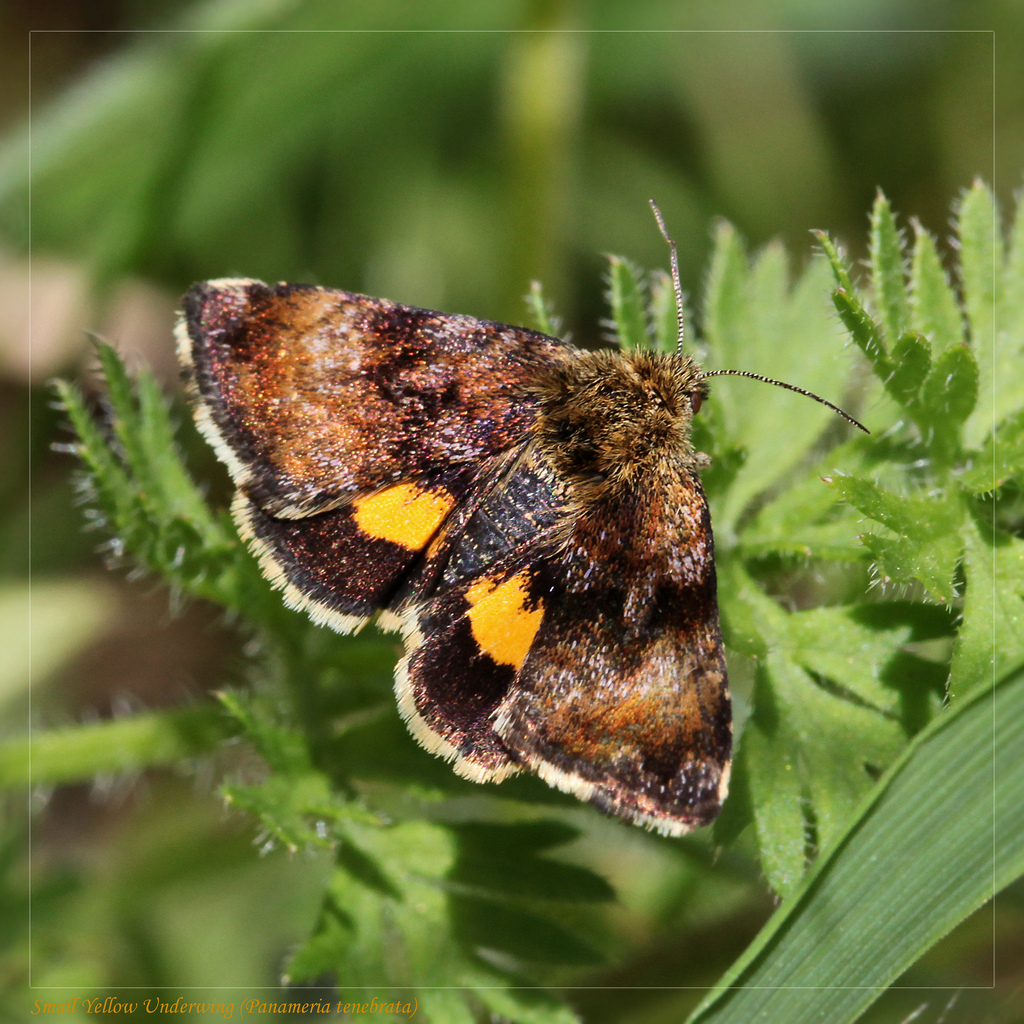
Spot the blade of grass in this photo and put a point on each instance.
(942, 831)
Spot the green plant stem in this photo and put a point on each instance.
(541, 110)
(82, 752)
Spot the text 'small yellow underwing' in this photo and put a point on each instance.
(529, 516)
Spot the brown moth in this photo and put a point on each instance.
(527, 514)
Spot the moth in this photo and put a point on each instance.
(528, 515)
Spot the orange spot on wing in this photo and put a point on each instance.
(403, 514)
(502, 624)
(436, 544)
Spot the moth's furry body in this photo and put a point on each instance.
(612, 419)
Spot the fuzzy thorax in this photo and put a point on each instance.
(610, 418)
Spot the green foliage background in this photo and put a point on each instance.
(870, 587)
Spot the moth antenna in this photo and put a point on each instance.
(790, 387)
(677, 287)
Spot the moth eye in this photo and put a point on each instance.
(696, 400)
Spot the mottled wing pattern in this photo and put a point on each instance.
(311, 395)
(352, 427)
(558, 656)
(623, 699)
(467, 640)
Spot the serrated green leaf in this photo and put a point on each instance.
(934, 311)
(1000, 459)
(1008, 603)
(807, 750)
(805, 521)
(172, 485)
(888, 276)
(390, 926)
(1010, 390)
(295, 803)
(893, 880)
(769, 284)
(542, 311)
(1002, 394)
(832, 542)
(902, 559)
(278, 742)
(765, 326)
(293, 809)
(777, 797)
(912, 359)
(124, 417)
(146, 497)
(832, 643)
(833, 739)
(843, 747)
(662, 314)
(990, 642)
(627, 305)
(396, 939)
(951, 390)
(864, 332)
(980, 278)
(113, 490)
(979, 262)
(918, 518)
(737, 595)
(141, 423)
(837, 261)
(726, 318)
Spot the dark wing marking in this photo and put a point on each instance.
(448, 689)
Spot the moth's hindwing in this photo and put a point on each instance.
(471, 616)
(623, 699)
(589, 654)
(343, 565)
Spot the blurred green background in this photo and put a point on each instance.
(442, 155)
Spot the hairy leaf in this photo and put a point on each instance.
(887, 270)
(627, 304)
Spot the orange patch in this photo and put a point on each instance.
(502, 624)
(435, 545)
(403, 514)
